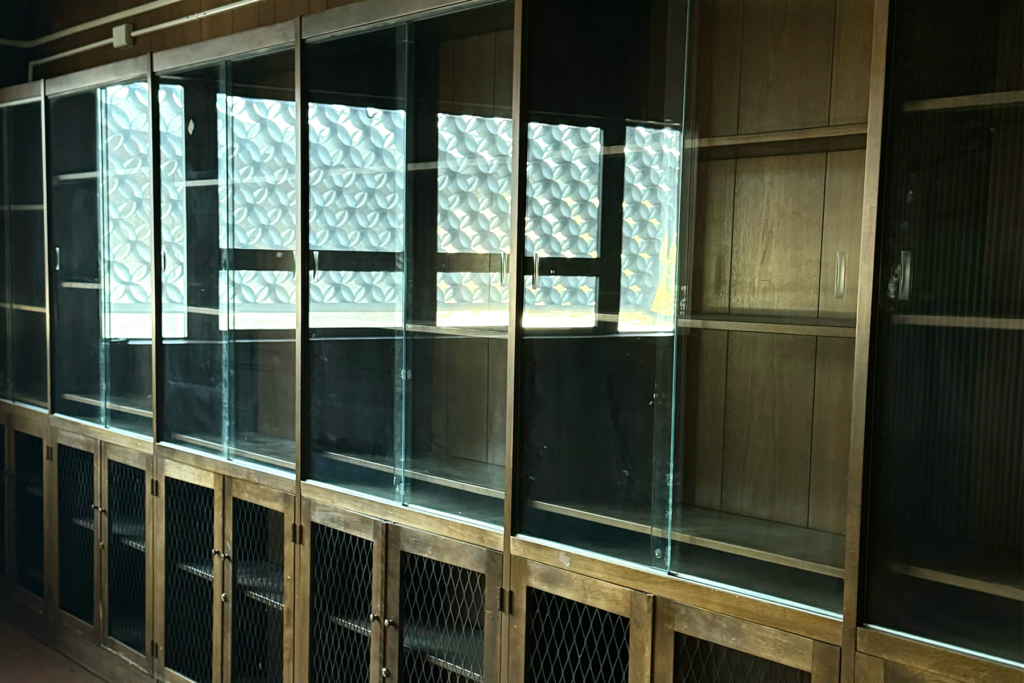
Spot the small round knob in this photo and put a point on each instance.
(374, 617)
(384, 673)
(223, 597)
(390, 622)
(102, 545)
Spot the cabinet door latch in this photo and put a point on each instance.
(297, 534)
(154, 487)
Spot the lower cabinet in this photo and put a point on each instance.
(101, 545)
(692, 645)
(567, 628)
(26, 519)
(224, 568)
(381, 601)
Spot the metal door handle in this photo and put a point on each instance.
(223, 597)
(536, 270)
(840, 289)
(373, 617)
(390, 622)
(503, 267)
(316, 266)
(906, 276)
(56, 258)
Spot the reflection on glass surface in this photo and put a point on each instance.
(945, 530)
(22, 256)
(409, 234)
(227, 136)
(99, 189)
(604, 184)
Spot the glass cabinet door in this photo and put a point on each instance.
(23, 284)
(410, 190)
(945, 528)
(102, 237)
(227, 138)
(603, 103)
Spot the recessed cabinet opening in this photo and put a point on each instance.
(29, 511)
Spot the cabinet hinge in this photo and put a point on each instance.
(154, 487)
(501, 599)
(49, 452)
(509, 602)
(297, 534)
(154, 649)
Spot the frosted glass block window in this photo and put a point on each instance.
(650, 225)
(563, 171)
(173, 209)
(356, 299)
(471, 300)
(124, 205)
(257, 300)
(357, 178)
(560, 301)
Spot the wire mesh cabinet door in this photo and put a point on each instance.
(6, 501)
(339, 629)
(692, 645)
(567, 628)
(28, 506)
(442, 613)
(125, 550)
(78, 588)
(259, 562)
(188, 573)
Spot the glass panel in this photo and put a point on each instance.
(604, 182)
(409, 229)
(227, 146)
(945, 533)
(24, 261)
(99, 184)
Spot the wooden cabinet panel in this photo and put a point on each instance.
(704, 418)
(830, 446)
(768, 407)
(777, 235)
(712, 239)
(844, 195)
(719, 42)
(787, 63)
(851, 62)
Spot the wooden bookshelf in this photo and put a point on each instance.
(961, 102)
(960, 321)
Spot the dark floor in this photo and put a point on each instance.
(23, 659)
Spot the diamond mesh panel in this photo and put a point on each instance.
(28, 488)
(126, 556)
(569, 642)
(442, 607)
(76, 531)
(257, 616)
(188, 600)
(700, 661)
(341, 584)
(3, 501)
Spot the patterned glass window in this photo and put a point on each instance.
(173, 210)
(341, 585)
(701, 661)
(126, 228)
(570, 642)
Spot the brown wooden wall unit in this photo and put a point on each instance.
(663, 341)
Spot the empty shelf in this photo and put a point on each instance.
(262, 582)
(350, 625)
(202, 570)
(430, 644)
(276, 451)
(453, 331)
(130, 405)
(272, 599)
(81, 285)
(85, 175)
(815, 327)
(975, 568)
(456, 473)
(130, 532)
(21, 207)
(980, 101)
(791, 546)
(84, 522)
(36, 491)
(801, 141)
(960, 321)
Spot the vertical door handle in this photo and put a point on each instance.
(906, 276)
(503, 268)
(56, 258)
(840, 289)
(316, 266)
(536, 270)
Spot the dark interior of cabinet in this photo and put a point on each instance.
(76, 531)
(29, 511)
(571, 642)
(946, 510)
(257, 622)
(3, 499)
(21, 206)
(701, 661)
(440, 386)
(188, 575)
(98, 377)
(442, 612)
(340, 604)
(229, 385)
(126, 554)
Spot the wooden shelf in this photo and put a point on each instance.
(960, 321)
(456, 332)
(21, 207)
(277, 451)
(971, 567)
(121, 404)
(778, 143)
(790, 546)
(814, 327)
(23, 307)
(960, 102)
(81, 285)
(84, 523)
(202, 570)
(131, 533)
(68, 177)
(262, 582)
(21, 398)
